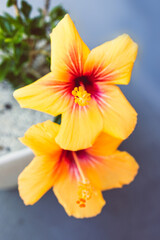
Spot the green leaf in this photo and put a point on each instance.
(48, 61)
(4, 66)
(5, 25)
(28, 80)
(57, 13)
(37, 21)
(19, 37)
(9, 17)
(57, 119)
(16, 21)
(10, 3)
(16, 37)
(20, 56)
(26, 9)
(37, 27)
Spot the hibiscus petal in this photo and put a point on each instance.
(119, 116)
(68, 51)
(80, 126)
(104, 145)
(45, 95)
(113, 171)
(66, 190)
(37, 178)
(41, 138)
(112, 62)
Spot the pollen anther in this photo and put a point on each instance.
(84, 193)
(81, 96)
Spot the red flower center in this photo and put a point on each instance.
(87, 82)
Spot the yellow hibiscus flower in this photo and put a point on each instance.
(81, 87)
(77, 177)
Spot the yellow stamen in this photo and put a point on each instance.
(84, 189)
(81, 96)
(84, 193)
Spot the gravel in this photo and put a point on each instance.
(14, 121)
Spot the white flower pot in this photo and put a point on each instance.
(14, 123)
(11, 165)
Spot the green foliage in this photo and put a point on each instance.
(26, 9)
(25, 43)
(11, 2)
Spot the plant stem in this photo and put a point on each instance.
(45, 53)
(16, 8)
(46, 7)
(34, 72)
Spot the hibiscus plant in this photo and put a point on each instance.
(25, 42)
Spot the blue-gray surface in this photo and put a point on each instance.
(134, 211)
